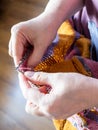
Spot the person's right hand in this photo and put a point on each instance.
(38, 32)
(67, 93)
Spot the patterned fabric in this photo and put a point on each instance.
(85, 21)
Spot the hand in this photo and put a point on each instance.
(70, 93)
(37, 32)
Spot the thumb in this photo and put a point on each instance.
(36, 56)
(38, 78)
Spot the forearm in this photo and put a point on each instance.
(60, 10)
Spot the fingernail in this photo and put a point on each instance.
(29, 73)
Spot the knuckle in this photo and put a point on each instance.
(37, 76)
(16, 28)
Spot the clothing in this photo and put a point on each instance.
(86, 22)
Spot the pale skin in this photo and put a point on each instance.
(75, 90)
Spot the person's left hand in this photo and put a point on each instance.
(70, 93)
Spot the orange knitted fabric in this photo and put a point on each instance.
(57, 62)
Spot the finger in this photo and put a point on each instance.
(39, 78)
(36, 56)
(24, 85)
(33, 109)
(34, 94)
(13, 48)
(16, 44)
(44, 102)
(17, 49)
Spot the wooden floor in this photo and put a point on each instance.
(12, 103)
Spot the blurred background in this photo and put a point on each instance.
(12, 103)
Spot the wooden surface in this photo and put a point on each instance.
(12, 103)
